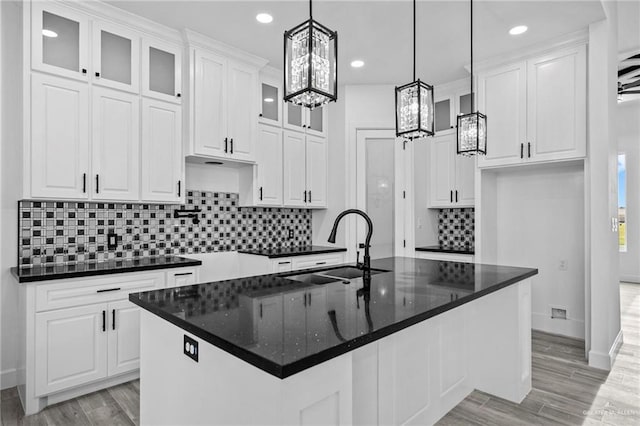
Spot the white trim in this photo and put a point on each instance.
(9, 378)
(604, 361)
(194, 39)
(630, 278)
(564, 327)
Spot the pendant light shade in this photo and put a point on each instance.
(472, 127)
(414, 103)
(310, 64)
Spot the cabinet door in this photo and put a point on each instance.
(210, 104)
(442, 170)
(294, 117)
(116, 145)
(316, 329)
(502, 97)
(294, 169)
(59, 40)
(465, 180)
(116, 57)
(316, 121)
(161, 157)
(316, 173)
(270, 102)
(243, 86)
(269, 159)
(59, 137)
(161, 70)
(71, 345)
(124, 337)
(281, 265)
(556, 106)
(445, 119)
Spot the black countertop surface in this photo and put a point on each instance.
(86, 269)
(283, 326)
(277, 252)
(447, 249)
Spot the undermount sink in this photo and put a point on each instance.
(327, 276)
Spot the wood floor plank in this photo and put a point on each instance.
(68, 413)
(109, 415)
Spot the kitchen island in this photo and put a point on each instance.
(332, 346)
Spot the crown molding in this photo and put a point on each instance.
(195, 39)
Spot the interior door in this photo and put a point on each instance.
(62, 362)
(243, 89)
(116, 145)
(124, 337)
(294, 169)
(384, 192)
(59, 137)
(269, 159)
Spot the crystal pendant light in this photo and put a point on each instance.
(414, 103)
(310, 64)
(472, 127)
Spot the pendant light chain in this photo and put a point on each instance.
(310, 10)
(473, 98)
(414, 40)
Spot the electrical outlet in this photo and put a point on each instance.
(112, 241)
(190, 348)
(563, 265)
(290, 233)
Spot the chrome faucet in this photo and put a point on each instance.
(366, 265)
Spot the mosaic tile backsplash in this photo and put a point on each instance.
(70, 232)
(456, 228)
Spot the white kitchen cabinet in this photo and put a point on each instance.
(269, 166)
(224, 107)
(305, 170)
(502, 97)
(318, 260)
(162, 70)
(59, 40)
(310, 121)
(183, 276)
(116, 57)
(449, 257)
(556, 105)
(444, 114)
(452, 176)
(282, 265)
(536, 109)
(123, 337)
(70, 347)
(116, 145)
(161, 167)
(270, 101)
(59, 137)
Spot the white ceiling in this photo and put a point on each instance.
(379, 32)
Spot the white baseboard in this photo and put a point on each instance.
(569, 327)
(8, 379)
(630, 278)
(604, 361)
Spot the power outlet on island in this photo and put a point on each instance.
(112, 241)
(190, 348)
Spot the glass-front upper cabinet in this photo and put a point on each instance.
(161, 70)
(302, 119)
(116, 53)
(59, 40)
(317, 121)
(270, 102)
(444, 114)
(465, 103)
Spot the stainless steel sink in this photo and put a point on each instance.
(349, 272)
(313, 279)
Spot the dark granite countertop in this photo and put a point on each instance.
(276, 252)
(284, 326)
(447, 249)
(87, 269)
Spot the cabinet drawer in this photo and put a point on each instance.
(450, 257)
(81, 291)
(182, 276)
(304, 262)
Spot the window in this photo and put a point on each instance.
(622, 203)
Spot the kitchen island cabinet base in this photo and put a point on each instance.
(414, 376)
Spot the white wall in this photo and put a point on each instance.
(11, 145)
(540, 216)
(603, 292)
(628, 127)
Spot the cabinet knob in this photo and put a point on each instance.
(260, 115)
(178, 95)
(97, 74)
(84, 70)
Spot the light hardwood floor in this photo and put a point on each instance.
(565, 390)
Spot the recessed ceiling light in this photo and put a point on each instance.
(518, 30)
(357, 63)
(264, 18)
(49, 33)
(268, 99)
